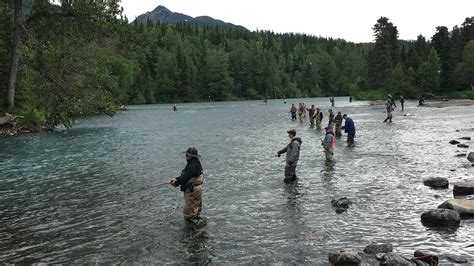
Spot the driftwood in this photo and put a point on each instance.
(7, 119)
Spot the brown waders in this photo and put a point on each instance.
(193, 199)
(338, 130)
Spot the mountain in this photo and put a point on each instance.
(165, 15)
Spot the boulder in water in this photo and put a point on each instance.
(340, 258)
(463, 146)
(436, 182)
(393, 259)
(441, 217)
(461, 155)
(465, 138)
(470, 157)
(341, 204)
(463, 188)
(378, 248)
(463, 206)
(454, 142)
(426, 256)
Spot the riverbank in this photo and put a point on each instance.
(434, 103)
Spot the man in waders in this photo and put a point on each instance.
(190, 181)
(402, 102)
(311, 112)
(349, 128)
(392, 101)
(293, 112)
(292, 156)
(319, 118)
(338, 122)
(331, 119)
(301, 111)
(328, 144)
(389, 109)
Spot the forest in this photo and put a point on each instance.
(62, 61)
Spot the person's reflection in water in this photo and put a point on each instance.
(291, 190)
(328, 175)
(329, 169)
(194, 243)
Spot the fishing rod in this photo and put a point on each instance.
(159, 185)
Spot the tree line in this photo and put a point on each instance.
(78, 58)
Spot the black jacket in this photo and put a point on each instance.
(192, 169)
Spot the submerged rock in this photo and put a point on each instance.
(378, 248)
(470, 157)
(441, 217)
(461, 155)
(340, 258)
(393, 259)
(465, 138)
(454, 142)
(463, 206)
(426, 256)
(436, 182)
(456, 259)
(341, 204)
(463, 188)
(463, 146)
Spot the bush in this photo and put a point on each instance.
(371, 95)
(461, 95)
(33, 119)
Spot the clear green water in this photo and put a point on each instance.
(69, 196)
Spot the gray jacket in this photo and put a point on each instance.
(292, 152)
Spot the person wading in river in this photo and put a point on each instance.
(319, 118)
(338, 122)
(292, 156)
(349, 128)
(331, 119)
(402, 102)
(191, 180)
(389, 109)
(311, 112)
(328, 144)
(293, 110)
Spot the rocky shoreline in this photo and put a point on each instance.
(11, 126)
(383, 254)
(448, 215)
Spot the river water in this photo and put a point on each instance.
(80, 195)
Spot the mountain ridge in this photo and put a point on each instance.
(163, 14)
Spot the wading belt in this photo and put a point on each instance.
(194, 182)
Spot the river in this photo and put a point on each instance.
(83, 195)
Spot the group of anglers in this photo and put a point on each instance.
(191, 179)
(315, 117)
(390, 107)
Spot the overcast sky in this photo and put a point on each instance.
(351, 20)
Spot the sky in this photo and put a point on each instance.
(351, 20)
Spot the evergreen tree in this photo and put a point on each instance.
(383, 57)
(443, 46)
(429, 73)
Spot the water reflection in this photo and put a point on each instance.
(293, 196)
(194, 241)
(66, 197)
